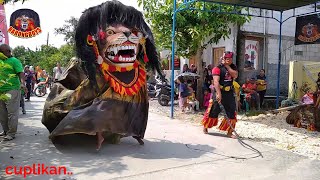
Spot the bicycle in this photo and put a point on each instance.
(40, 90)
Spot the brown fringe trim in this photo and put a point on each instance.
(224, 126)
(209, 122)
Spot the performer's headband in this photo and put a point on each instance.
(228, 54)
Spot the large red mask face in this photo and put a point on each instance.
(122, 46)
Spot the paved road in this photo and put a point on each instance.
(173, 150)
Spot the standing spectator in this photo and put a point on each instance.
(208, 76)
(262, 85)
(205, 81)
(34, 79)
(195, 81)
(193, 68)
(29, 78)
(9, 110)
(183, 93)
(185, 68)
(57, 72)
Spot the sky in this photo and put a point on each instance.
(53, 14)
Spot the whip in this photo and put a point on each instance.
(223, 111)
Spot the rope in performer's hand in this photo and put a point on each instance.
(223, 111)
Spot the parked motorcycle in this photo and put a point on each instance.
(164, 94)
(153, 87)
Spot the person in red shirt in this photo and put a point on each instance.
(223, 76)
(251, 95)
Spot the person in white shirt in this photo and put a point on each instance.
(57, 72)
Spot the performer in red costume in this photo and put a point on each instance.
(223, 76)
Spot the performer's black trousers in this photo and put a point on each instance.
(229, 103)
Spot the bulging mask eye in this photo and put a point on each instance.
(110, 32)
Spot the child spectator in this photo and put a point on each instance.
(183, 93)
(192, 101)
(206, 98)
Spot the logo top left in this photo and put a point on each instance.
(24, 23)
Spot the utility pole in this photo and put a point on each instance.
(48, 39)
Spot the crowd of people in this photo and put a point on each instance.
(35, 77)
(20, 87)
(250, 94)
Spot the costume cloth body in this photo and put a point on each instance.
(210, 118)
(104, 88)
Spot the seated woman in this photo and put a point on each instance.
(192, 101)
(251, 94)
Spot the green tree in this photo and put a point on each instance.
(14, 1)
(194, 29)
(68, 30)
(20, 53)
(46, 57)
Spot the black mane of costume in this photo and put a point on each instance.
(110, 13)
(104, 88)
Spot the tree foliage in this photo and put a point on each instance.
(14, 1)
(68, 30)
(193, 27)
(46, 57)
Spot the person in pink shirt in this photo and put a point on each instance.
(206, 98)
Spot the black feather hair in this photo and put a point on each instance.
(100, 17)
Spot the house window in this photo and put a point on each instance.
(298, 53)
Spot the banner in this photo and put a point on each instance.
(4, 38)
(176, 63)
(308, 30)
(24, 23)
(251, 55)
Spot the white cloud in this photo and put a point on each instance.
(52, 15)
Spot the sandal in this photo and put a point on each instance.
(8, 138)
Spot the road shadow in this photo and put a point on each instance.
(128, 146)
(32, 146)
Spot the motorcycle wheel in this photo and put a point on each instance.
(162, 101)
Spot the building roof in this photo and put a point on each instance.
(277, 5)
